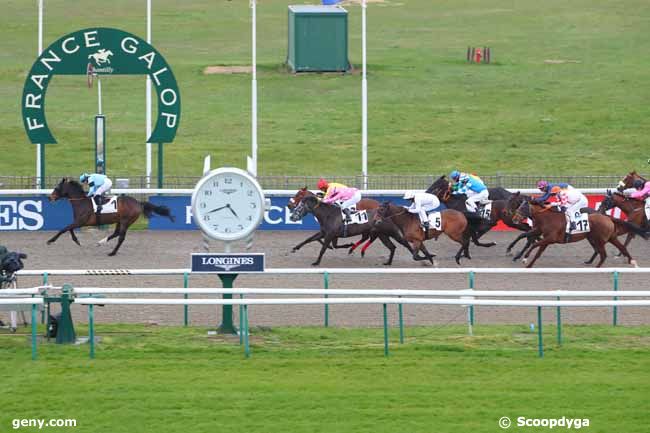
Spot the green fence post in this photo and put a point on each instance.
(45, 279)
(615, 309)
(247, 349)
(471, 307)
(385, 332)
(186, 284)
(241, 321)
(91, 330)
(540, 342)
(65, 333)
(559, 325)
(227, 327)
(34, 331)
(401, 324)
(326, 285)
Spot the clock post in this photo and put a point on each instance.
(228, 205)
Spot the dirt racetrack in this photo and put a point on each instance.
(160, 249)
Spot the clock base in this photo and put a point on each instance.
(227, 326)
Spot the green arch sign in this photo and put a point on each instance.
(107, 51)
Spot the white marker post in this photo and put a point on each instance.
(364, 100)
(148, 103)
(253, 171)
(40, 149)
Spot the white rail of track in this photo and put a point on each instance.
(381, 300)
(333, 271)
(267, 192)
(21, 301)
(361, 292)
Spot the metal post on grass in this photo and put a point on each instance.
(244, 331)
(91, 330)
(186, 284)
(540, 342)
(326, 285)
(241, 321)
(33, 331)
(615, 310)
(559, 325)
(470, 311)
(385, 332)
(45, 278)
(401, 324)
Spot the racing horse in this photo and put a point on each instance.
(552, 224)
(633, 208)
(332, 227)
(364, 204)
(453, 223)
(128, 211)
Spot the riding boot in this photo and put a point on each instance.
(348, 217)
(567, 237)
(98, 211)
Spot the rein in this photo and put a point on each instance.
(394, 215)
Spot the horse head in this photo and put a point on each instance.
(296, 199)
(57, 192)
(382, 212)
(523, 211)
(67, 188)
(440, 188)
(628, 181)
(307, 204)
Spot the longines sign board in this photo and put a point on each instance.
(228, 263)
(100, 51)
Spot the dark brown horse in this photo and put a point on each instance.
(128, 211)
(453, 224)
(551, 223)
(332, 227)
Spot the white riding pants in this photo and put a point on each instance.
(475, 197)
(356, 198)
(104, 187)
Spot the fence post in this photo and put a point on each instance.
(559, 325)
(326, 285)
(91, 330)
(385, 332)
(45, 279)
(615, 310)
(186, 284)
(540, 342)
(34, 331)
(247, 350)
(471, 307)
(401, 324)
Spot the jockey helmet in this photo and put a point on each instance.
(555, 189)
(638, 184)
(408, 195)
(84, 177)
(542, 185)
(322, 184)
(455, 175)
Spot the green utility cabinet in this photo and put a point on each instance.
(318, 39)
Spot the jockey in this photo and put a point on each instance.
(98, 184)
(546, 188)
(326, 187)
(571, 201)
(347, 197)
(642, 192)
(421, 204)
(470, 185)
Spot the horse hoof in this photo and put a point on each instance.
(50, 242)
(112, 254)
(524, 261)
(508, 253)
(634, 263)
(387, 263)
(294, 250)
(315, 264)
(363, 254)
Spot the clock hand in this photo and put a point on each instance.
(217, 209)
(233, 211)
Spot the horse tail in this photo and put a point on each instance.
(631, 227)
(150, 208)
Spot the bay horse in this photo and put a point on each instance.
(634, 210)
(454, 225)
(364, 204)
(552, 224)
(332, 227)
(128, 211)
(628, 181)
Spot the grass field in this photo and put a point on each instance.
(170, 379)
(429, 111)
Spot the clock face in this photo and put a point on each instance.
(228, 204)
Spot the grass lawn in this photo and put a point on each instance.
(171, 379)
(429, 110)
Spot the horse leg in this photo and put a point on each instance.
(328, 239)
(591, 260)
(113, 236)
(517, 239)
(387, 242)
(623, 251)
(628, 239)
(124, 226)
(67, 228)
(477, 234)
(367, 245)
(313, 238)
(427, 254)
(603, 254)
(541, 246)
(74, 237)
(334, 245)
(355, 245)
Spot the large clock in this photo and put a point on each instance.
(228, 204)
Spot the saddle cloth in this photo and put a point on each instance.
(435, 220)
(581, 221)
(109, 206)
(357, 216)
(485, 209)
(647, 208)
